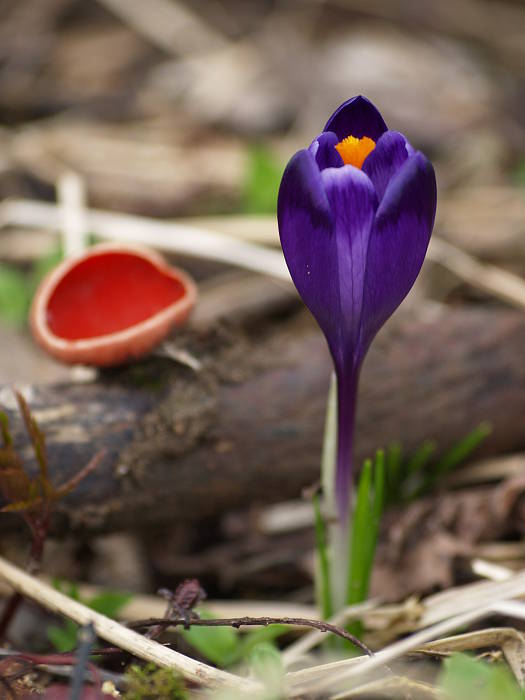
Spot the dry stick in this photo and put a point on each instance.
(488, 278)
(442, 605)
(295, 650)
(470, 641)
(487, 569)
(392, 687)
(509, 640)
(121, 636)
(164, 235)
(322, 678)
(475, 602)
(492, 469)
(237, 622)
(170, 26)
(71, 196)
(498, 552)
(200, 241)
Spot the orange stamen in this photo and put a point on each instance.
(353, 151)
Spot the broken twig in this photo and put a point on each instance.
(237, 622)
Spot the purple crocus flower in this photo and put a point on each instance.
(355, 210)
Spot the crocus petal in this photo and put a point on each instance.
(391, 151)
(398, 242)
(305, 229)
(323, 148)
(325, 220)
(353, 202)
(356, 117)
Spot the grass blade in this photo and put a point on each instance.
(323, 584)
(365, 524)
(395, 470)
(359, 536)
(458, 453)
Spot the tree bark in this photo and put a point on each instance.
(248, 427)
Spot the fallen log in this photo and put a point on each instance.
(247, 428)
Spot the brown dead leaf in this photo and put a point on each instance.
(15, 679)
(509, 640)
(423, 567)
(427, 536)
(394, 687)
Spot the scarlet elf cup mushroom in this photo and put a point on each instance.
(112, 304)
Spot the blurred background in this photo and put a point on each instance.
(173, 109)
(168, 108)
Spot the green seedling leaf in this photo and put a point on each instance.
(377, 497)
(421, 457)
(323, 583)
(459, 453)
(44, 265)
(414, 471)
(364, 531)
(394, 470)
(465, 677)
(4, 430)
(225, 646)
(416, 476)
(63, 638)
(263, 178)
(221, 645)
(359, 535)
(266, 665)
(109, 603)
(379, 493)
(15, 296)
(519, 173)
(258, 636)
(69, 588)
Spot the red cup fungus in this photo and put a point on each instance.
(111, 304)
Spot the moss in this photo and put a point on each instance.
(149, 682)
